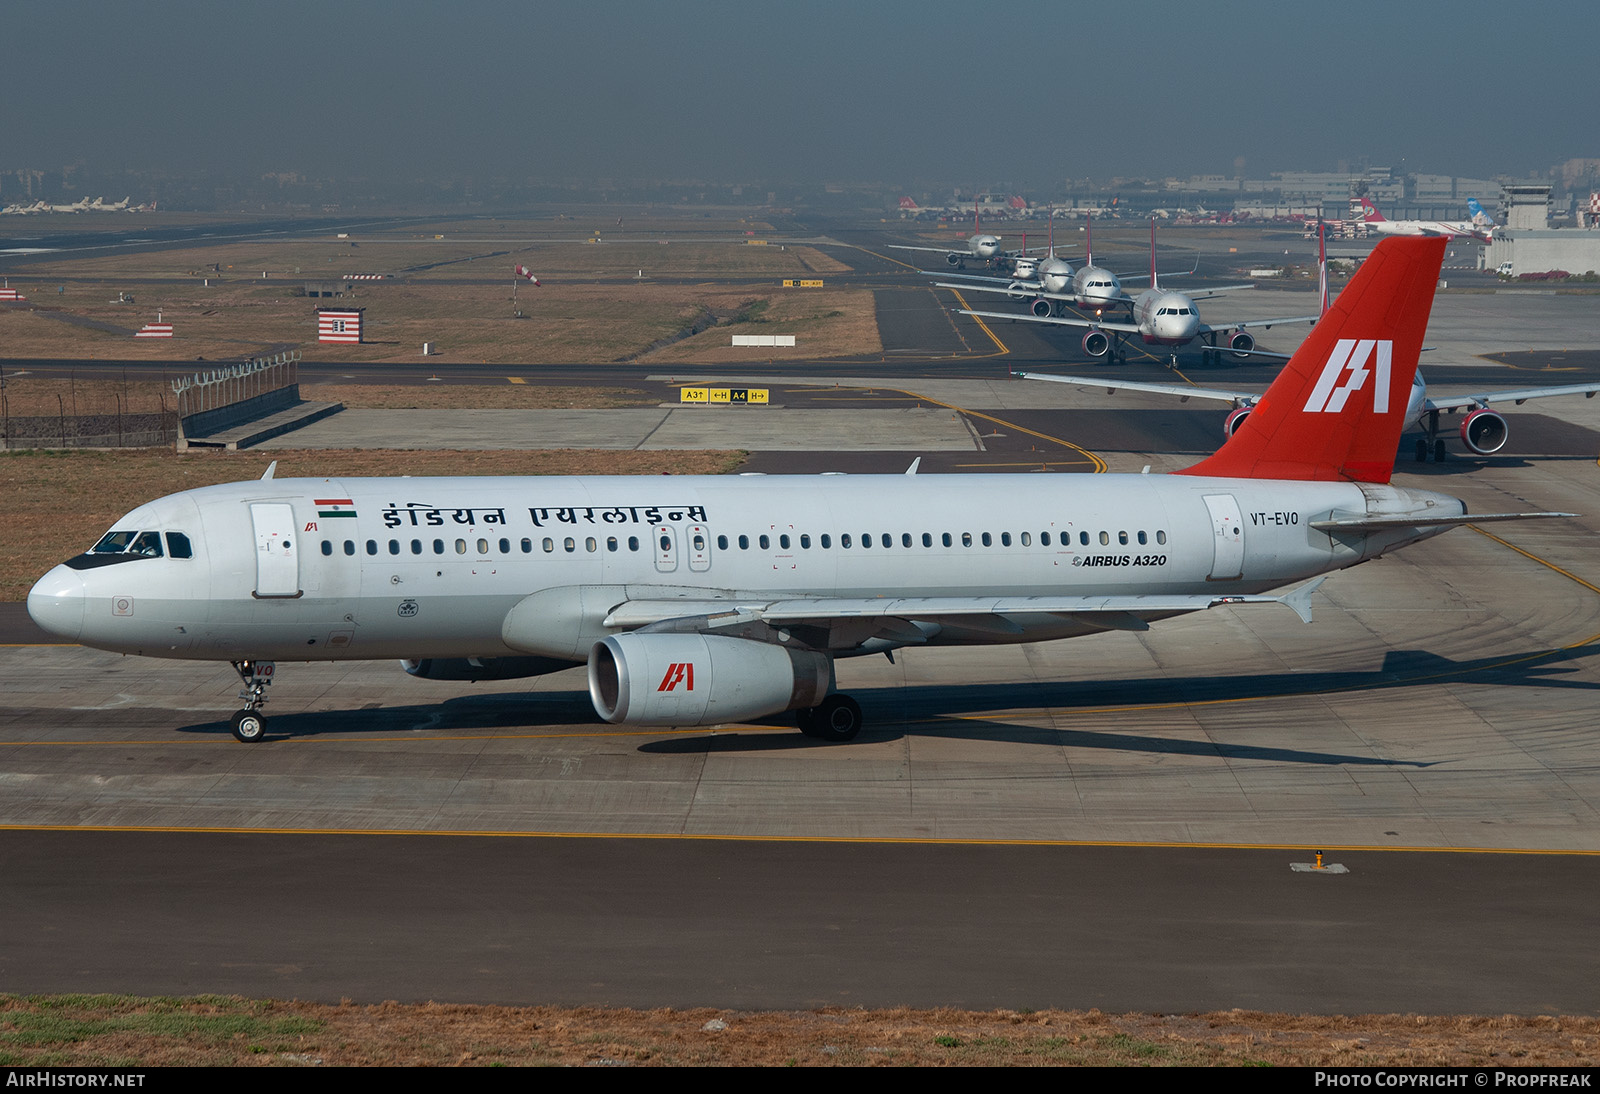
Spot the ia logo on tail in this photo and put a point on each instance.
(1349, 360)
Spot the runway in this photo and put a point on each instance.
(1110, 821)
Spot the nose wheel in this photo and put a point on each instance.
(249, 726)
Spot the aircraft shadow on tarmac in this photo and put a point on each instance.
(942, 710)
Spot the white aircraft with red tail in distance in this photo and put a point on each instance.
(1479, 227)
(707, 600)
(1483, 430)
(980, 246)
(1159, 317)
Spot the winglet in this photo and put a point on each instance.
(271, 467)
(1300, 599)
(916, 463)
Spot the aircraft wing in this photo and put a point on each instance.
(1224, 328)
(963, 249)
(1515, 395)
(1058, 321)
(1106, 612)
(968, 281)
(1182, 391)
(1201, 294)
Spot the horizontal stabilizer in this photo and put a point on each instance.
(1383, 524)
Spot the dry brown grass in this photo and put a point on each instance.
(825, 323)
(121, 1031)
(468, 323)
(449, 396)
(56, 504)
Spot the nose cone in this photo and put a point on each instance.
(56, 603)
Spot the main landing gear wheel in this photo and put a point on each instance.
(1422, 450)
(249, 726)
(1438, 450)
(836, 718)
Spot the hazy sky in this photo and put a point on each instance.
(892, 91)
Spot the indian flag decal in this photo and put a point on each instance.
(335, 507)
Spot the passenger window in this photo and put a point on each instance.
(1044, 539)
(946, 539)
(905, 539)
(591, 545)
(844, 540)
(988, 540)
(416, 546)
(1122, 538)
(505, 546)
(966, 539)
(372, 546)
(927, 539)
(826, 541)
(1005, 539)
(805, 542)
(571, 545)
(886, 539)
(394, 546)
(866, 540)
(483, 547)
(611, 544)
(722, 543)
(1143, 539)
(549, 545)
(783, 542)
(327, 547)
(178, 546)
(1161, 537)
(1027, 539)
(1083, 538)
(1105, 538)
(461, 546)
(438, 546)
(527, 546)
(744, 543)
(633, 543)
(765, 542)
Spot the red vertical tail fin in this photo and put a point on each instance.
(1337, 409)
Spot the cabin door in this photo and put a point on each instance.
(1227, 534)
(277, 550)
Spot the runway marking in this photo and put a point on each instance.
(516, 380)
(1098, 464)
(715, 837)
(993, 337)
(1543, 562)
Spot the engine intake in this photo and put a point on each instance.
(1242, 343)
(1096, 343)
(1484, 431)
(699, 679)
(1235, 419)
(1043, 308)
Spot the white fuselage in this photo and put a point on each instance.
(983, 245)
(1166, 318)
(1426, 228)
(320, 569)
(1097, 289)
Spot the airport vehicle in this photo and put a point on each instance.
(1159, 317)
(1478, 227)
(697, 601)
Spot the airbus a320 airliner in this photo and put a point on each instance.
(697, 601)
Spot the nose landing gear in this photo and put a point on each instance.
(248, 724)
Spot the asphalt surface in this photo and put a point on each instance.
(1111, 822)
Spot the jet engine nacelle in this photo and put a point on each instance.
(1018, 291)
(698, 679)
(483, 668)
(1484, 431)
(1241, 343)
(1043, 308)
(1096, 343)
(955, 259)
(1235, 419)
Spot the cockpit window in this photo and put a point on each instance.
(148, 545)
(178, 545)
(113, 543)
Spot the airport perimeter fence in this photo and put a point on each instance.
(216, 400)
(93, 413)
